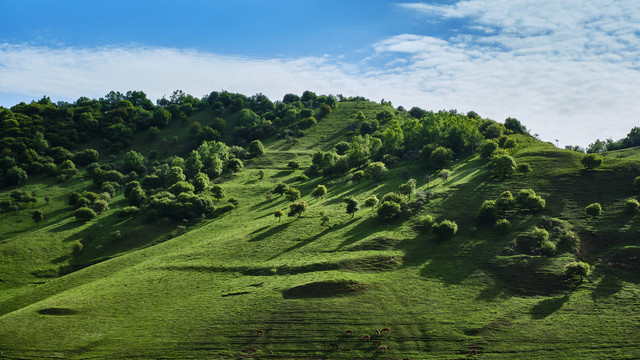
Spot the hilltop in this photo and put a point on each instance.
(466, 249)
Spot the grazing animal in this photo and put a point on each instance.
(365, 337)
(259, 332)
(382, 348)
(378, 333)
(473, 352)
(349, 332)
(334, 345)
(386, 329)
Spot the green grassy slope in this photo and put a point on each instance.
(154, 293)
(632, 153)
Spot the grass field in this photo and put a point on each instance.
(157, 293)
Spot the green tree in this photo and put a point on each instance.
(279, 189)
(193, 165)
(375, 171)
(15, 176)
(137, 197)
(255, 148)
(297, 208)
(200, 182)
(371, 201)
(293, 165)
(37, 216)
(235, 165)
(388, 210)
(217, 192)
(357, 176)
(502, 166)
(161, 117)
(352, 205)
(591, 161)
(134, 161)
(631, 206)
(577, 269)
(292, 194)
(488, 212)
(528, 200)
(408, 188)
(487, 148)
(278, 214)
(594, 209)
(446, 229)
(84, 214)
(441, 157)
(319, 191)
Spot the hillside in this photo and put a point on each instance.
(238, 282)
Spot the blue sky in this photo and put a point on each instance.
(569, 70)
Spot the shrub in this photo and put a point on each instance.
(108, 188)
(233, 201)
(488, 212)
(301, 178)
(129, 211)
(297, 208)
(505, 201)
(319, 191)
(393, 197)
(631, 206)
(37, 216)
(445, 229)
(224, 208)
(487, 148)
(99, 206)
(441, 157)
(235, 165)
(591, 161)
(279, 189)
(523, 168)
(357, 176)
(181, 187)
(278, 214)
(85, 214)
(577, 268)
(594, 209)
(255, 148)
(352, 205)
(388, 210)
(375, 171)
(293, 165)
(292, 194)
(426, 222)
(539, 235)
(548, 248)
(568, 241)
(502, 166)
(528, 200)
(503, 226)
(371, 201)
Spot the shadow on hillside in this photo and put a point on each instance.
(606, 287)
(270, 232)
(313, 238)
(361, 231)
(548, 306)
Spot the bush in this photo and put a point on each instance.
(591, 161)
(528, 200)
(487, 148)
(548, 248)
(594, 209)
(488, 212)
(388, 210)
(441, 157)
(375, 171)
(568, 241)
(85, 214)
(99, 206)
(502, 166)
(631, 206)
(393, 197)
(371, 201)
(577, 268)
(503, 226)
(301, 178)
(128, 211)
(523, 168)
(445, 229)
(539, 235)
(505, 201)
(426, 222)
(292, 194)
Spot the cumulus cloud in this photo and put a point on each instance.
(569, 70)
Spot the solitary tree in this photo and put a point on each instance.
(293, 165)
(591, 161)
(217, 192)
(594, 209)
(255, 148)
(352, 205)
(278, 214)
(578, 268)
(441, 157)
(371, 201)
(375, 171)
(357, 176)
(444, 175)
(297, 208)
(292, 194)
(408, 188)
(37, 216)
(502, 166)
(319, 191)
(279, 189)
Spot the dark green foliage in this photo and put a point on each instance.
(255, 148)
(99, 206)
(319, 191)
(487, 148)
(181, 187)
(86, 157)
(292, 194)
(357, 176)
(77, 248)
(153, 133)
(84, 214)
(279, 189)
(200, 182)
(128, 211)
(293, 165)
(129, 187)
(514, 125)
(591, 161)
(502, 226)
(493, 131)
(278, 214)
(341, 147)
(301, 178)
(426, 222)
(568, 241)
(393, 197)
(375, 171)
(502, 166)
(528, 200)
(108, 188)
(636, 184)
(161, 117)
(523, 168)
(505, 201)
(548, 248)
(539, 235)
(371, 201)
(446, 229)
(408, 188)
(235, 165)
(352, 205)
(37, 216)
(15, 176)
(297, 208)
(388, 210)
(488, 212)
(444, 174)
(577, 269)
(631, 206)
(134, 161)
(440, 158)
(137, 197)
(233, 201)
(594, 209)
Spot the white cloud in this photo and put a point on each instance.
(568, 70)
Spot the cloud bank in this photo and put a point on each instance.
(569, 70)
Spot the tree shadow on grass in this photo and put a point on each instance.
(607, 286)
(548, 306)
(365, 228)
(270, 232)
(313, 238)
